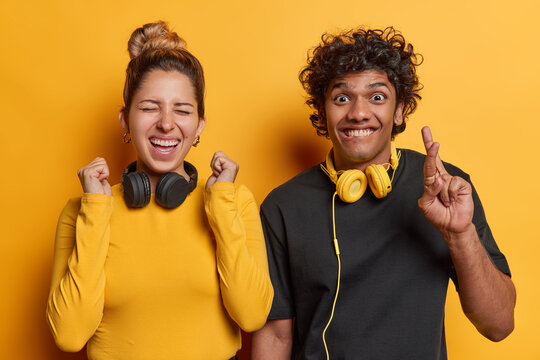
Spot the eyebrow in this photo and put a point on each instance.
(378, 84)
(339, 85)
(342, 84)
(157, 102)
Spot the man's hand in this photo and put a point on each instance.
(94, 176)
(223, 169)
(447, 200)
(487, 295)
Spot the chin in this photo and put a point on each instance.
(161, 167)
(358, 156)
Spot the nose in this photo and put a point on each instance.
(166, 121)
(359, 110)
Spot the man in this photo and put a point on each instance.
(378, 290)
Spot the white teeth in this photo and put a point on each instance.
(366, 132)
(161, 142)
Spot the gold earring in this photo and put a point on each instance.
(196, 141)
(124, 138)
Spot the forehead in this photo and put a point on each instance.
(165, 83)
(362, 80)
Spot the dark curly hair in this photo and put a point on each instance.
(359, 50)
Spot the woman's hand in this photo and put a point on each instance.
(223, 169)
(94, 177)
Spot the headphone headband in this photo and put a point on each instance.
(190, 170)
(193, 175)
(351, 184)
(130, 168)
(171, 188)
(394, 156)
(330, 170)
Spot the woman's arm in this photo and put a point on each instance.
(240, 249)
(75, 304)
(241, 254)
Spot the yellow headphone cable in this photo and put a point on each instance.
(336, 248)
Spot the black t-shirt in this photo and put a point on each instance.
(395, 267)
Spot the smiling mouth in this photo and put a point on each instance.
(164, 145)
(358, 133)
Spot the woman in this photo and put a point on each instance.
(138, 273)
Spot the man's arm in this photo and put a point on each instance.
(273, 341)
(487, 295)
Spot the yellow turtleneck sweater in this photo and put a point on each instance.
(154, 283)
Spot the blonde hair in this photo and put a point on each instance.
(154, 47)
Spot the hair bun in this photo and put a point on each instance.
(154, 36)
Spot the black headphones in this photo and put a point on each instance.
(171, 189)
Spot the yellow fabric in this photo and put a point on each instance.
(154, 283)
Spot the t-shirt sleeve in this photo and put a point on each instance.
(485, 236)
(278, 261)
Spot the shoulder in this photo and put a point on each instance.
(71, 209)
(227, 190)
(304, 186)
(87, 201)
(414, 160)
(117, 190)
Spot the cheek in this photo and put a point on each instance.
(188, 128)
(333, 115)
(388, 114)
(142, 123)
(137, 132)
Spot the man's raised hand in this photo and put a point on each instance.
(447, 200)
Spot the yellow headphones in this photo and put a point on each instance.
(351, 184)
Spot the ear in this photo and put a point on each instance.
(123, 120)
(398, 114)
(202, 124)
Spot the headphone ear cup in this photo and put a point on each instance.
(351, 185)
(171, 190)
(378, 180)
(136, 189)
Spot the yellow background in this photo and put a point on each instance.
(62, 69)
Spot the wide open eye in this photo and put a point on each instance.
(342, 99)
(378, 97)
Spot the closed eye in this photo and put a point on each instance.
(182, 112)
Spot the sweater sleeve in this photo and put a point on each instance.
(76, 298)
(240, 254)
